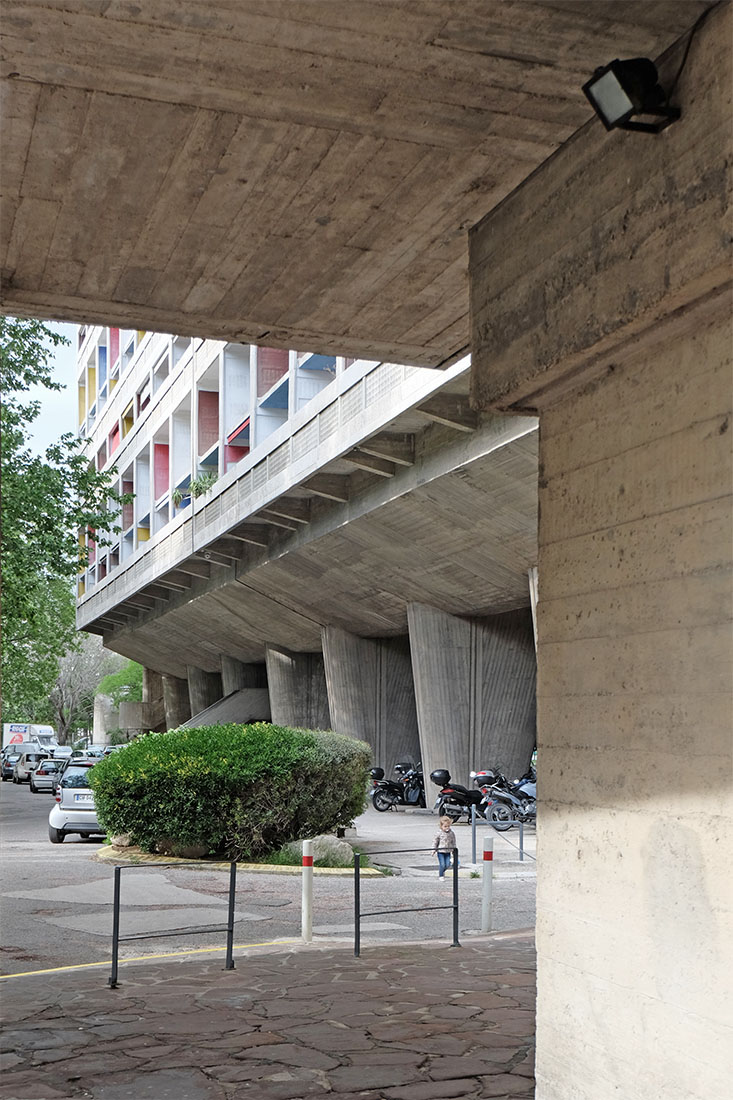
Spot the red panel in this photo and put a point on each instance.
(160, 469)
(233, 454)
(127, 513)
(208, 420)
(272, 364)
(114, 439)
(114, 346)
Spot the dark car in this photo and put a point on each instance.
(10, 759)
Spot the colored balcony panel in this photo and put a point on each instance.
(272, 364)
(208, 420)
(161, 469)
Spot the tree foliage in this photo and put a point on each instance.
(45, 502)
(79, 673)
(124, 685)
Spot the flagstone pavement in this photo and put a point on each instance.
(402, 1022)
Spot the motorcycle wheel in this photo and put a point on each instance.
(501, 817)
(449, 809)
(382, 801)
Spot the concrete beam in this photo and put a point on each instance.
(293, 508)
(397, 448)
(297, 683)
(330, 486)
(370, 463)
(454, 412)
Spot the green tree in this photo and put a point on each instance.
(45, 502)
(125, 685)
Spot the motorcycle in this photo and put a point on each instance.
(508, 803)
(408, 790)
(455, 800)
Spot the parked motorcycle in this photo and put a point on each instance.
(509, 802)
(454, 800)
(407, 790)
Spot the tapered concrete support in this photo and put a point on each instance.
(204, 689)
(176, 701)
(153, 715)
(235, 675)
(371, 694)
(475, 690)
(601, 296)
(297, 683)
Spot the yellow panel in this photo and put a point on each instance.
(82, 404)
(140, 334)
(82, 588)
(143, 534)
(91, 386)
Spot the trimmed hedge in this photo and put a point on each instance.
(238, 791)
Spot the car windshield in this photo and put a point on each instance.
(76, 777)
(46, 769)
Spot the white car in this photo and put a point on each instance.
(26, 764)
(73, 811)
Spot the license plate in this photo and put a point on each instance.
(83, 798)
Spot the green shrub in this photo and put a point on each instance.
(241, 791)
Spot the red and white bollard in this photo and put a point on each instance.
(307, 902)
(487, 883)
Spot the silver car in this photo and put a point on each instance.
(45, 777)
(73, 811)
(26, 764)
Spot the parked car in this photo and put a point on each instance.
(61, 752)
(73, 811)
(45, 777)
(26, 764)
(9, 760)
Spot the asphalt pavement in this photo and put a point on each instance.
(412, 1018)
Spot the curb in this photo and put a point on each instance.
(133, 857)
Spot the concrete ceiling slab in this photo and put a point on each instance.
(283, 173)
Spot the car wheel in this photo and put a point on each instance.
(15, 779)
(55, 835)
(34, 790)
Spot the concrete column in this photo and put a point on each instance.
(204, 688)
(615, 255)
(475, 690)
(153, 715)
(176, 701)
(371, 694)
(235, 675)
(297, 684)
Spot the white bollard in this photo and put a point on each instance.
(307, 902)
(487, 883)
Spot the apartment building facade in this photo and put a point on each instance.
(300, 541)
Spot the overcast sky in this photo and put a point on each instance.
(58, 410)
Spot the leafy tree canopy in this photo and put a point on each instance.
(45, 502)
(126, 685)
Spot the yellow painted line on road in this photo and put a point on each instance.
(147, 958)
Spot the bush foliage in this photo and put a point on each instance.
(240, 791)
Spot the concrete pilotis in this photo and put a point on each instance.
(204, 689)
(297, 684)
(236, 675)
(371, 693)
(474, 686)
(176, 701)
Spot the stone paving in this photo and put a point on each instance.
(403, 1022)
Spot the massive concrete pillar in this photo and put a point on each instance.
(235, 675)
(153, 714)
(204, 689)
(297, 683)
(176, 701)
(371, 694)
(475, 690)
(616, 257)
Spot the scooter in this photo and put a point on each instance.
(408, 790)
(509, 803)
(455, 800)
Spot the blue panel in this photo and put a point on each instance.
(211, 459)
(319, 362)
(278, 395)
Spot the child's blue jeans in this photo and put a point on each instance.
(444, 863)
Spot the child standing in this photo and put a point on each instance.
(445, 842)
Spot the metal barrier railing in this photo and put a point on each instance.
(117, 939)
(358, 914)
